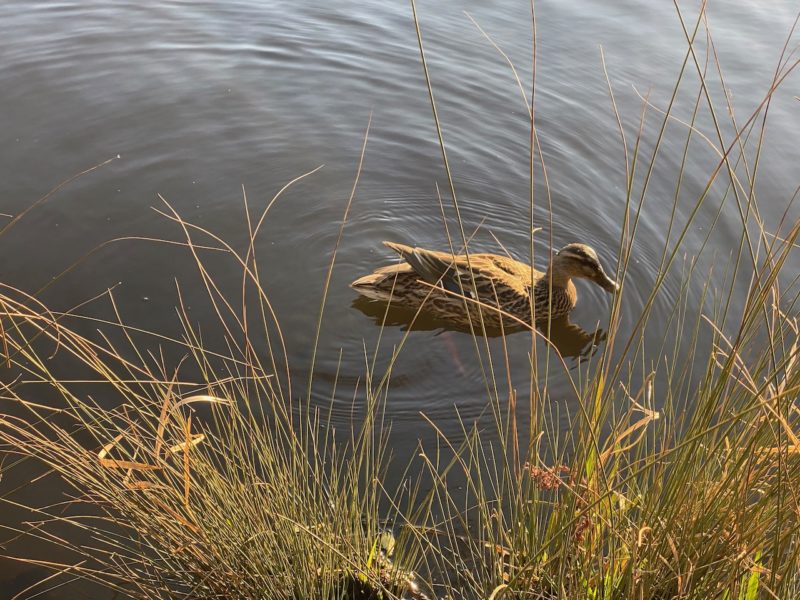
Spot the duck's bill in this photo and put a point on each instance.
(608, 284)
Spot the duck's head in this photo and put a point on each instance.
(580, 260)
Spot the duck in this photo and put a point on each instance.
(495, 290)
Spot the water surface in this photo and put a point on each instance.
(202, 98)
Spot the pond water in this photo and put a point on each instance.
(202, 99)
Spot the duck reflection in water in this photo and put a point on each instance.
(570, 339)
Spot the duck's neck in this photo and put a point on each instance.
(556, 278)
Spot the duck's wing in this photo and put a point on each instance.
(455, 273)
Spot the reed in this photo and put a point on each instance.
(678, 475)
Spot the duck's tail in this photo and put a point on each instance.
(402, 249)
(433, 267)
(381, 284)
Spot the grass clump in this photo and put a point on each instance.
(695, 499)
(195, 480)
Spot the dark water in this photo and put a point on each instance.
(200, 99)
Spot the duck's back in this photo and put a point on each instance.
(483, 262)
(519, 270)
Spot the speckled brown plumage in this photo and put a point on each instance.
(483, 286)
